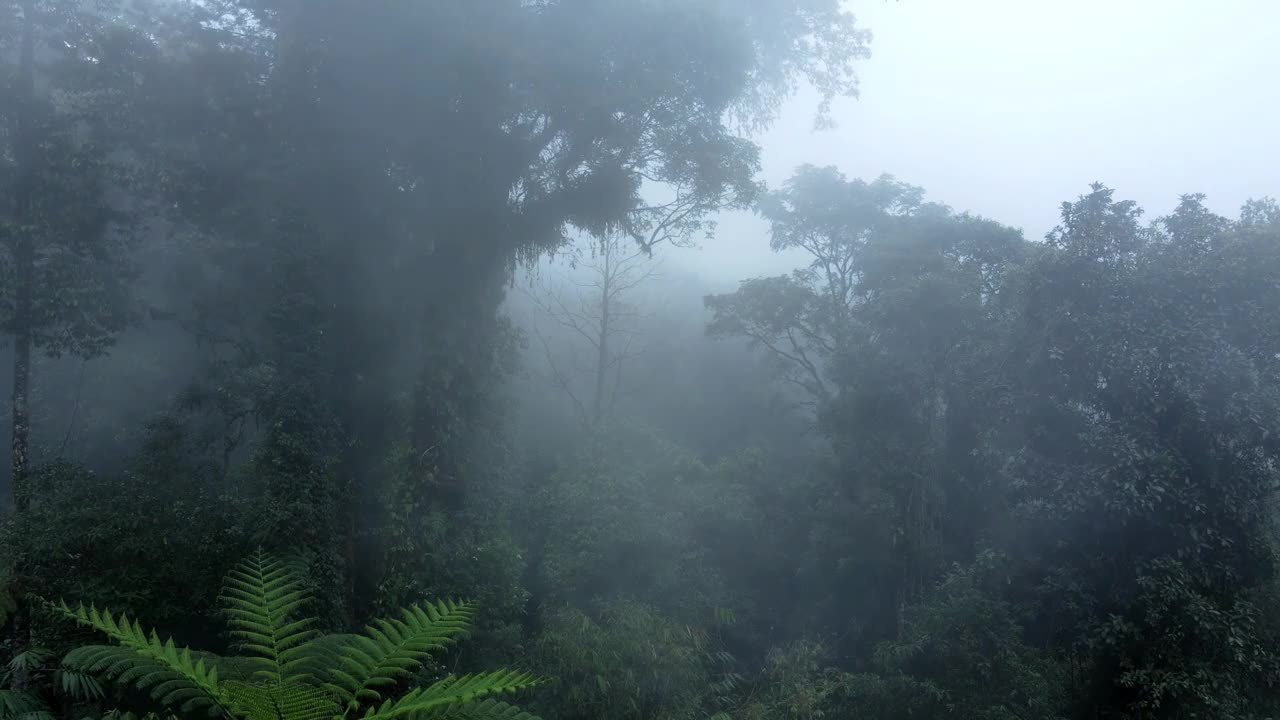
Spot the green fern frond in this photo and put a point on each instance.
(172, 674)
(228, 667)
(292, 672)
(260, 597)
(290, 701)
(488, 709)
(166, 684)
(77, 685)
(393, 649)
(447, 695)
(491, 709)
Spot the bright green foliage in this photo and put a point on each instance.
(393, 648)
(443, 695)
(291, 672)
(173, 675)
(260, 597)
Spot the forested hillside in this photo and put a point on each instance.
(317, 312)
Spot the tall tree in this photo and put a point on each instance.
(884, 332)
(520, 123)
(66, 95)
(599, 329)
(1138, 423)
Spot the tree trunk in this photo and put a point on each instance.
(24, 272)
(602, 349)
(21, 393)
(24, 260)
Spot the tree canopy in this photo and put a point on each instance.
(271, 377)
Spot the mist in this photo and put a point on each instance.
(608, 360)
(1007, 109)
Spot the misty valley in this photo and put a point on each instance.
(564, 359)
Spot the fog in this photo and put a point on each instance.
(1008, 108)
(639, 360)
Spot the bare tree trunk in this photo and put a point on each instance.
(21, 391)
(602, 349)
(602, 319)
(24, 260)
(24, 271)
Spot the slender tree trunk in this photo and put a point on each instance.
(24, 260)
(21, 393)
(602, 351)
(24, 278)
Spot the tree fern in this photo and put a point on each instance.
(289, 671)
(174, 677)
(393, 649)
(260, 597)
(448, 694)
(293, 701)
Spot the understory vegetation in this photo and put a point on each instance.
(338, 331)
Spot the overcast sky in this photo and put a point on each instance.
(1008, 107)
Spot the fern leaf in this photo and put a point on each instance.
(489, 709)
(260, 598)
(171, 673)
(77, 685)
(393, 650)
(458, 695)
(290, 701)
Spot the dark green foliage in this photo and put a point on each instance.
(633, 516)
(31, 687)
(630, 662)
(1157, 417)
(966, 475)
(1093, 407)
(139, 539)
(963, 647)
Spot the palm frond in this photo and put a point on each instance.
(454, 693)
(261, 596)
(393, 649)
(172, 674)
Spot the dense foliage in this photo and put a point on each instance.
(257, 262)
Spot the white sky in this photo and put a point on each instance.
(1006, 108)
